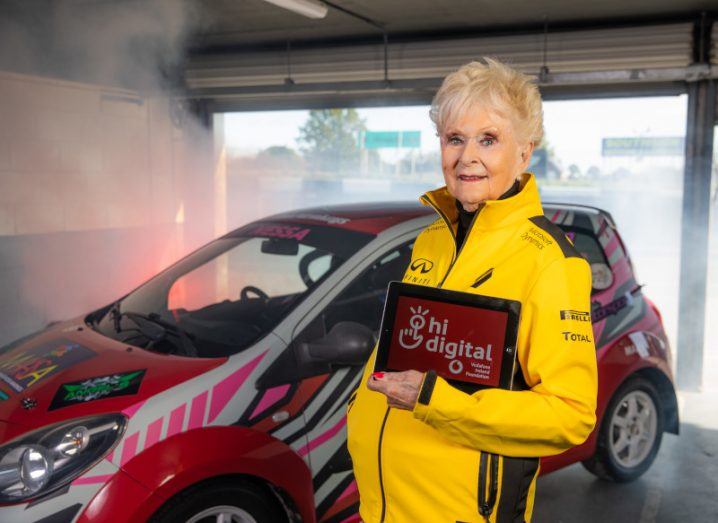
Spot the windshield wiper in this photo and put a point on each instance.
(153, 327)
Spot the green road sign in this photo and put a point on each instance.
(392, 139)
(656, 146)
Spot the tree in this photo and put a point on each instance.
(280, 157)
(593, 172)
(574, 171)
(279, 152)
(329, 139)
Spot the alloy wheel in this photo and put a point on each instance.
(633, 429)
(222, 514)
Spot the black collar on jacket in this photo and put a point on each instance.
(465, 216)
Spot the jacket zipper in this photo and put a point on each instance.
(486, 505)
(386, 415)
(482, 465)
(381, 479)
(453, 235)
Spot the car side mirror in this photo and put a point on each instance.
(347, 343)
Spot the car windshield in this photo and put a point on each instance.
(232, 292)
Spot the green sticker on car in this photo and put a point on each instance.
(98, 387)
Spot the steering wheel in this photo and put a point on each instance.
(244, 294)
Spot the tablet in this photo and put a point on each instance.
(468, 339)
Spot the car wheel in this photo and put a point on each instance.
(235, 502)
(630, 433)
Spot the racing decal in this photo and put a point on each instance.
(639, 345)
(341, 502)
(270, 398)
(289, 232)
(622, 312)
(291, 406)
(601, 312)
(226, 389)
(90, 389)
(27, 367)
(4, 395)
(323, 406)
(422, 265)
(324, 437)
(575, 315)
(198, 410)
(483, 278)
(326, 218)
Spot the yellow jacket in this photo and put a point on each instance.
(474, 457)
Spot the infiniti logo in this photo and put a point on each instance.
(422, 264)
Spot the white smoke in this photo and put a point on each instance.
(83, 212)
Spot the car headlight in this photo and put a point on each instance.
(53, 456)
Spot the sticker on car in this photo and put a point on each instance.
(27, 367)
(99, 387)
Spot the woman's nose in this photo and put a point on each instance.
(470, 153)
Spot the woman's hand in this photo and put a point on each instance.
(400, 388)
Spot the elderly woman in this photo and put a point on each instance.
(424, 451)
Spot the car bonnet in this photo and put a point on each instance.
(70, 371)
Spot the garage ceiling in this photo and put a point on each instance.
(237, 23)
(253, 55)
(250, 54)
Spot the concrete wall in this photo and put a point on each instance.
(94, 186)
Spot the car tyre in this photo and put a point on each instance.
(239, 501)
(630, 433)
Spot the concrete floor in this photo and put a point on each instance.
(681, 486)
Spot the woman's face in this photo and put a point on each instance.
(481, 157)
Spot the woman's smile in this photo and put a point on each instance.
(471, 178)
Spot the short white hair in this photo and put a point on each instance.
(501, 88)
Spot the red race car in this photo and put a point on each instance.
(217, 391)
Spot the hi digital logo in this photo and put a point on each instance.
(436, 339)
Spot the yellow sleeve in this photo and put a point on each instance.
(557, 355)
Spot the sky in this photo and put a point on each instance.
(574, 129)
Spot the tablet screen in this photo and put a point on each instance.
(467, 339)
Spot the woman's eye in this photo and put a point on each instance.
(487, 140)
(455, 140)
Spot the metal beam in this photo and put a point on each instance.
(395, 98)
(696, 216)
(694, 233)
(624, 80)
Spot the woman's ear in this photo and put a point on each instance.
(526, 155)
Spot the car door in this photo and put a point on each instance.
(361, 301)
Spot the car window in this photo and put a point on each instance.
(230, 293)
(245, 269)
(362, 301)
(586, 244)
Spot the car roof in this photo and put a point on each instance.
(371, 218)
(376, 217)
(578, 208)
